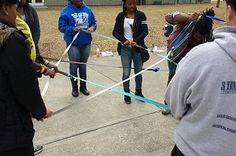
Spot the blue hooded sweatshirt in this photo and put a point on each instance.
(71, 17)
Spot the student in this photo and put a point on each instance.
(19, 91)
(131, 29)
(29, 15)
(41, 66)
(202, 95)
(190, 30)
(46, 67)
(78, 17)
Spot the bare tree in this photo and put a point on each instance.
(218, 4)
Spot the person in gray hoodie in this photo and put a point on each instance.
(202, 95)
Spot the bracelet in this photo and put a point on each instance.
(46, 62)
(43, 69)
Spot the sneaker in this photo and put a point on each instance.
(38, 149)
(165, 111)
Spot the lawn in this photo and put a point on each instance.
(52, 44)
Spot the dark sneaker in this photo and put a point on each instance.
(127, 99)
(38, 149)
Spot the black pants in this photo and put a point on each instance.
(176, 152)
(24, 151)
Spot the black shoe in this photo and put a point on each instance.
(75, 92)
(138, 92)
(127, 99)
(83, 88)
(38, 149)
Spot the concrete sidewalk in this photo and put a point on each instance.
(105, 125)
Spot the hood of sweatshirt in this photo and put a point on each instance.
(72, 6)
(5, 32)
(225, 37)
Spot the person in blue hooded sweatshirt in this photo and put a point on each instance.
(78, 17)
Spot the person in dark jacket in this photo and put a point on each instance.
(78, 17)
(20, 98)
(29, 14)
(131, 29)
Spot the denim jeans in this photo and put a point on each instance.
(79, 54)
(127, 56)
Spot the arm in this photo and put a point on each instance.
(36, 33)
(22, 78)
(63, 25)
(93, 21)
(117, 30)
(180, 18)
(144, 33)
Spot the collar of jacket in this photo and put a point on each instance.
(5, 31)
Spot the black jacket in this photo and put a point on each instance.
(32, 20)
(140, 28)
(19, 91)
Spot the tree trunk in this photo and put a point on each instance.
(218, 4)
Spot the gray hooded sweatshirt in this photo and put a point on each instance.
(202, 95)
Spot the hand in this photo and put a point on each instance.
(52, 66)
(51, 73)
(133, 44)
(90, 29)
(48, 114)
(126, 43)
(78, 28)
(194, 16)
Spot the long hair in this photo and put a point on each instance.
(204, 24)
(124, 8)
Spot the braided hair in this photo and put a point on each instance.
(204, 24)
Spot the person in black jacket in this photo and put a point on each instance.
(29, 14)
(131, 29)
(20, 98)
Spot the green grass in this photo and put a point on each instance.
(52, 44)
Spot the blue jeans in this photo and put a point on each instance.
(79, 54)
(127, 56)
